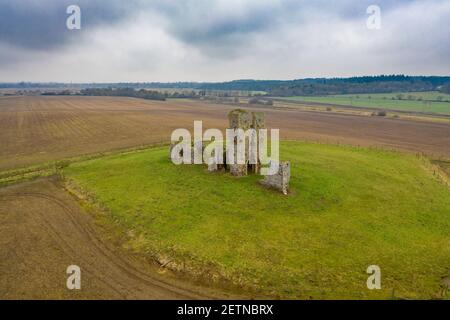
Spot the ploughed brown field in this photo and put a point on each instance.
(43, 230)
(41, 129)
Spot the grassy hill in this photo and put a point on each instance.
(349, 208)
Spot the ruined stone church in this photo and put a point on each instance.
(242, 119)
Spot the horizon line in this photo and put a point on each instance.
(227, 81)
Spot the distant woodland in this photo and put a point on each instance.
(300, 87)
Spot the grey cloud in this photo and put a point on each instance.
(220, 31)
(213, 40)
(42, 24)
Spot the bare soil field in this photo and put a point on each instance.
(43, 230)
(38, 129)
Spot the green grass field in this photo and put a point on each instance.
(427, 103)
(349, 208)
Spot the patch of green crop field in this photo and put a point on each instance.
(349, 208)
(429, 102)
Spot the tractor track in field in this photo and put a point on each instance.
(73, 236)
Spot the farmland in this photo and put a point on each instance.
(43, 230)
(349, 208)
(224, 159)
(426, 102)
(41, 129)
(37, 130)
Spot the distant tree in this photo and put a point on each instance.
(124, 92)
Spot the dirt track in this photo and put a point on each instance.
(39, 129)
(43, 231)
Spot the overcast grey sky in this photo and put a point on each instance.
(219, 40)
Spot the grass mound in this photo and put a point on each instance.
(349, 208)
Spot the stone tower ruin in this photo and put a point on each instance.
(242, 119)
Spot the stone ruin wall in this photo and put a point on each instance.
(279, 181)
(241, 119)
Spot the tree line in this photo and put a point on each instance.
(124, 92)
(306, 87)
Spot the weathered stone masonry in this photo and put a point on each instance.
(242, 119)
(280, 180)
